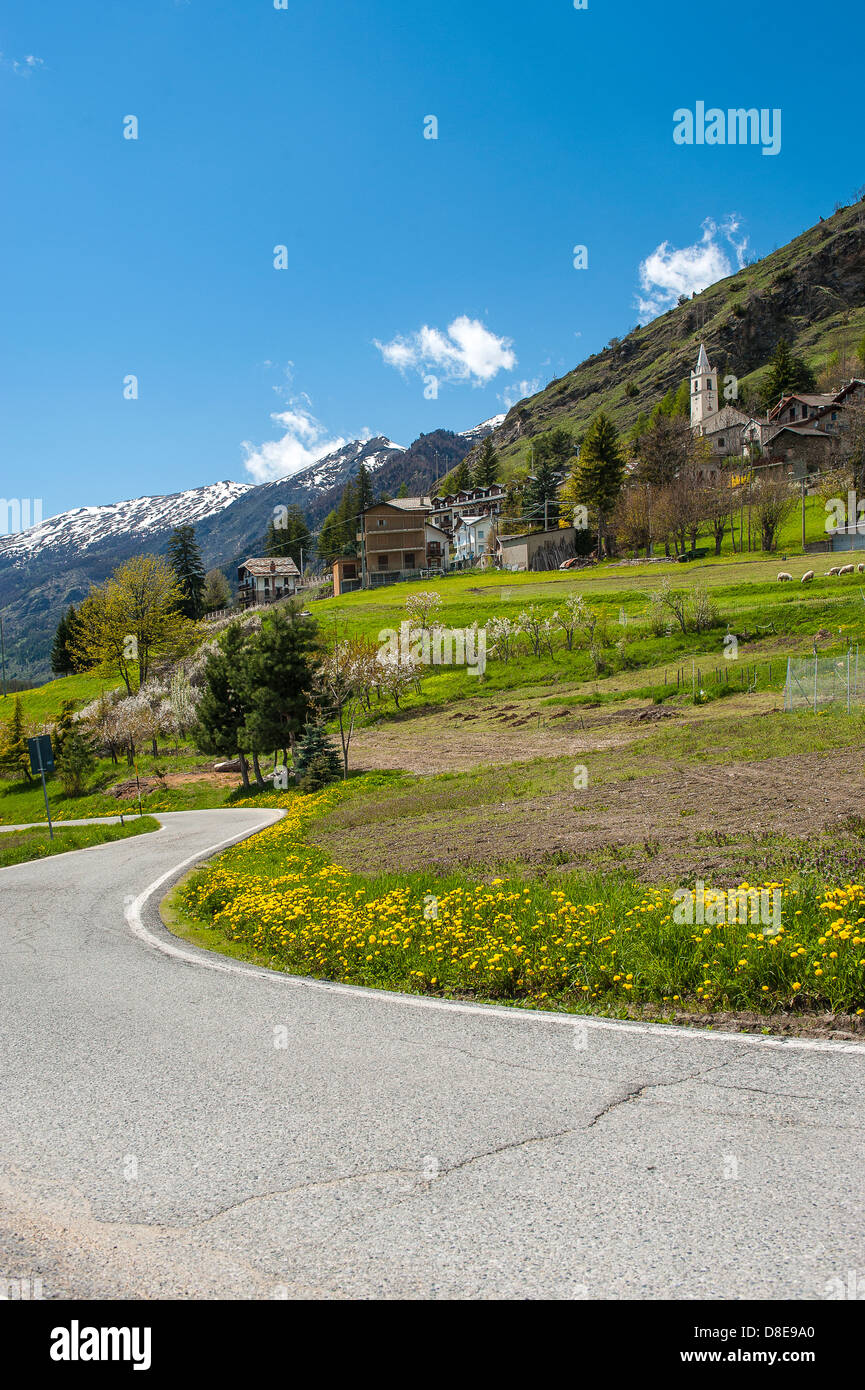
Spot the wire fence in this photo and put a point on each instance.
(820, 682)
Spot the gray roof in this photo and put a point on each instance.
(278, 566)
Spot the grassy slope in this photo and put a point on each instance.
(19, 847)
(42, 705)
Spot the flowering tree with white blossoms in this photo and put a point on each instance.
(421, 605)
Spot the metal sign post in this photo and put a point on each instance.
(42, 761)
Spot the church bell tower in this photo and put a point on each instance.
(704, 392)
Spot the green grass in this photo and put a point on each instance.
(21, 802)
(18, 847)
(43, 704)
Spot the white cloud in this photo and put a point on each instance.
(24, 66)
(467, 352)
(518, 390)
(671, 271)
(305, 440)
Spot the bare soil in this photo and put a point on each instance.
(718, 822)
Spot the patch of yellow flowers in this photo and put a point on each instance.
(501, 939)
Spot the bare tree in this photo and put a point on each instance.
(773, 500)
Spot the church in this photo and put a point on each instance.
(801, 434)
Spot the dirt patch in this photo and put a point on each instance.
(721, 823)
(128, 789)
(462, 740)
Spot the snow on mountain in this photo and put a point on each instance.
(484, 428)
(338, 467)
(84, 527)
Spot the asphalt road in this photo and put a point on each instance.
(173, 1124)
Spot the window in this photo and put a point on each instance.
(382, 521)
(480, 535)
(382, 562)
(409, 560)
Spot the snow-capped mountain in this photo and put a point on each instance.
(85, 527)
(481, 431)
(335, 470)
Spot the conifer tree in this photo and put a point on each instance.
(316, 760)
(363, 489)
(600, 470)
(14, 754)
(541, 494)
(288, 536)
(787, 375)
(184, 557)
(461, 479)
(278, 675)
(486, 470)
(65, 722)
(62, 661)
(222, 710)
(76, 761)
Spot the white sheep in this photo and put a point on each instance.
(807, 576)
(834, 570)
(861, 569)
(785, 575)
(847, 569)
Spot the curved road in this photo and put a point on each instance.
(173, 1124)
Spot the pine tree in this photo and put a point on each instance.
(329, 544)
(65, 722)
(76, 761)
(222, 710)
(486, 470)
(288, 536)
(600, 470)
(461, 478)
(316, 760)
(363, 489)
(184, 557)
(541, 494)
(787, 375)
(62, 662)
(348, 517)
(14, 754)
(277, 679)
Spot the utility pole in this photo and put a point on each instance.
(803, 515)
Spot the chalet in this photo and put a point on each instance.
(448, 509)
(398, 540)
(263, 581)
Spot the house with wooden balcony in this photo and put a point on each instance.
(398, 541)
(261, 581)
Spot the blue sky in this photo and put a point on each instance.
(406, 257)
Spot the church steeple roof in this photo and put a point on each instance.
(702, 361)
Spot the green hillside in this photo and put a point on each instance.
(811, 292)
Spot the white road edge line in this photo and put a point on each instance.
(209, 961)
